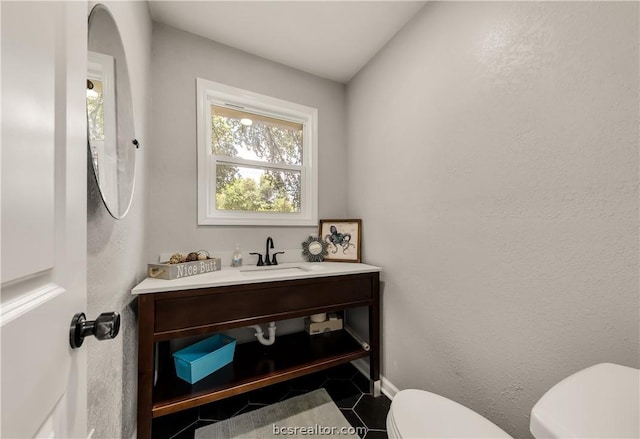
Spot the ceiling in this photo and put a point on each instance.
(331, 39)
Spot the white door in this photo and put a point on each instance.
(43, 214)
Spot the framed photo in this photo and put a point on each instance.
(343, 238)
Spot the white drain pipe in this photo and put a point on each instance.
(260, 334)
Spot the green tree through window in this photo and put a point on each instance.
(259, 139)
(95, 111)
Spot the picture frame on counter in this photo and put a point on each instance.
(343, 238)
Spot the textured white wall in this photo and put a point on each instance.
(178, 59)
(493, 150)
(116, 250)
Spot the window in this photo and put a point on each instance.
(257, 158)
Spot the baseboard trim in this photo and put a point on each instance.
(388, 388)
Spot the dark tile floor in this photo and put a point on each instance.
(348, 388)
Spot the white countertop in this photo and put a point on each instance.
(252, 274)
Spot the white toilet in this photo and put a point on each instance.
(601, 401)
(598, 402)
(420, 414)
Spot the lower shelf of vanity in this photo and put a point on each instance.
(255, 366)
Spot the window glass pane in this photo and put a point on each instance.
(95, 111)
(256, 189)
(236, 133)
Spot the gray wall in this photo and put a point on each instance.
(506, 222)
(116, 250)
(178, 59)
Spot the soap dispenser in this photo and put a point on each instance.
(236, 258)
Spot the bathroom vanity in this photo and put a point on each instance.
(239, 297)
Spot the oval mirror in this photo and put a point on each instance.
(111, 138)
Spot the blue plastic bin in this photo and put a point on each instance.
(195, 362)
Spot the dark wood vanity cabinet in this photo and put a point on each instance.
(175, 314)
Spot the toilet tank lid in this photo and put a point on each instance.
(601, 401)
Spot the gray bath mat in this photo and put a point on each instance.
(311, 414)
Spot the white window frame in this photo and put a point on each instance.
(214, 93)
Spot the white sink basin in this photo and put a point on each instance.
(302, 266)
(280, 270)
(269, 271)
(267, 268)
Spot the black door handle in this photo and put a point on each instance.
(105, 327)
